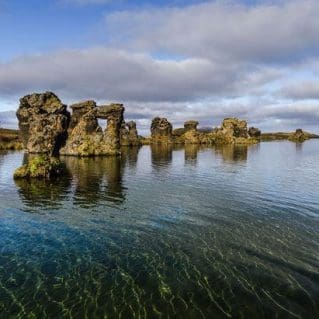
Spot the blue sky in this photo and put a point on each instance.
(201, 60)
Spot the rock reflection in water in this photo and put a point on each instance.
(191, 151)
(162, 155)
(96, 179)
(233, 153)
(38, 192)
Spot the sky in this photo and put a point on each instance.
(202, 60)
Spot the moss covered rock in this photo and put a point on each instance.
(40, 166)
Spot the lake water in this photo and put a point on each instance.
(191, 232)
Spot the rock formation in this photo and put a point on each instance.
(191, 135)
(254, 132)
(86, 137)
(41, 167)
(43, 123)
(299, 136)
(129, 135)
(235, 127)
(161, 131)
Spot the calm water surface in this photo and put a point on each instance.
(189, 232)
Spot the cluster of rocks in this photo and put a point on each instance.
(299, 136)
(232, 131)
(47, 127)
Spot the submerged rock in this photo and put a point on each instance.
(43, 123)
(161, 131)
(40, 166)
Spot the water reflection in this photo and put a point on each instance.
(232, 153)
(162, 155)
(39, 193)
(191, 151)
(96, 179)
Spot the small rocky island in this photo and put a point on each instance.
(48, 129)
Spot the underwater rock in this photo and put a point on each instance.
(161, 131)
(43, 123)
(40, 166)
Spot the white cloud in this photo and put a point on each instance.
(283, 31)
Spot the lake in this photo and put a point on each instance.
(164, 232)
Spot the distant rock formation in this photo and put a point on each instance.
(86, 137)
(191, 135)
(299, 136)
(161, 131)
(254, 132)
(43, 123)
(235, 127)
(129, 135)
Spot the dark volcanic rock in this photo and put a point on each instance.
(161, 131)
(79, 110)
(87, 138)
(43, 123)
(235, 127)
(40, 166)
(254, 132)
(129, 134)
(190, 125)
(191, 135)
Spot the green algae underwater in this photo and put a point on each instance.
(175, 232)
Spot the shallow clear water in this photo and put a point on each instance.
(165, 233)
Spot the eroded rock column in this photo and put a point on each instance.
(161, 131)
(43, 123)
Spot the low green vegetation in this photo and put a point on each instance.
(40, 166)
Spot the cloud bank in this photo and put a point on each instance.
(204, 61)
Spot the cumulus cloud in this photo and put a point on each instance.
(118, 75)
(205, 61)
(301, 91)
(282, 31)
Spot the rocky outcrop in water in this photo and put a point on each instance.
(40, 167)
(161, 131)
(191, 135)
(299, 136)
(43, 123)
(235, 127)
(254, 132)
(129, 134)
(86, 137)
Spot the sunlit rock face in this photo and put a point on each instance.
(86, 137)
(43, 123)
(235, 127)
(161, 131)
(78, 111)
(129, 134)
(191, 135)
